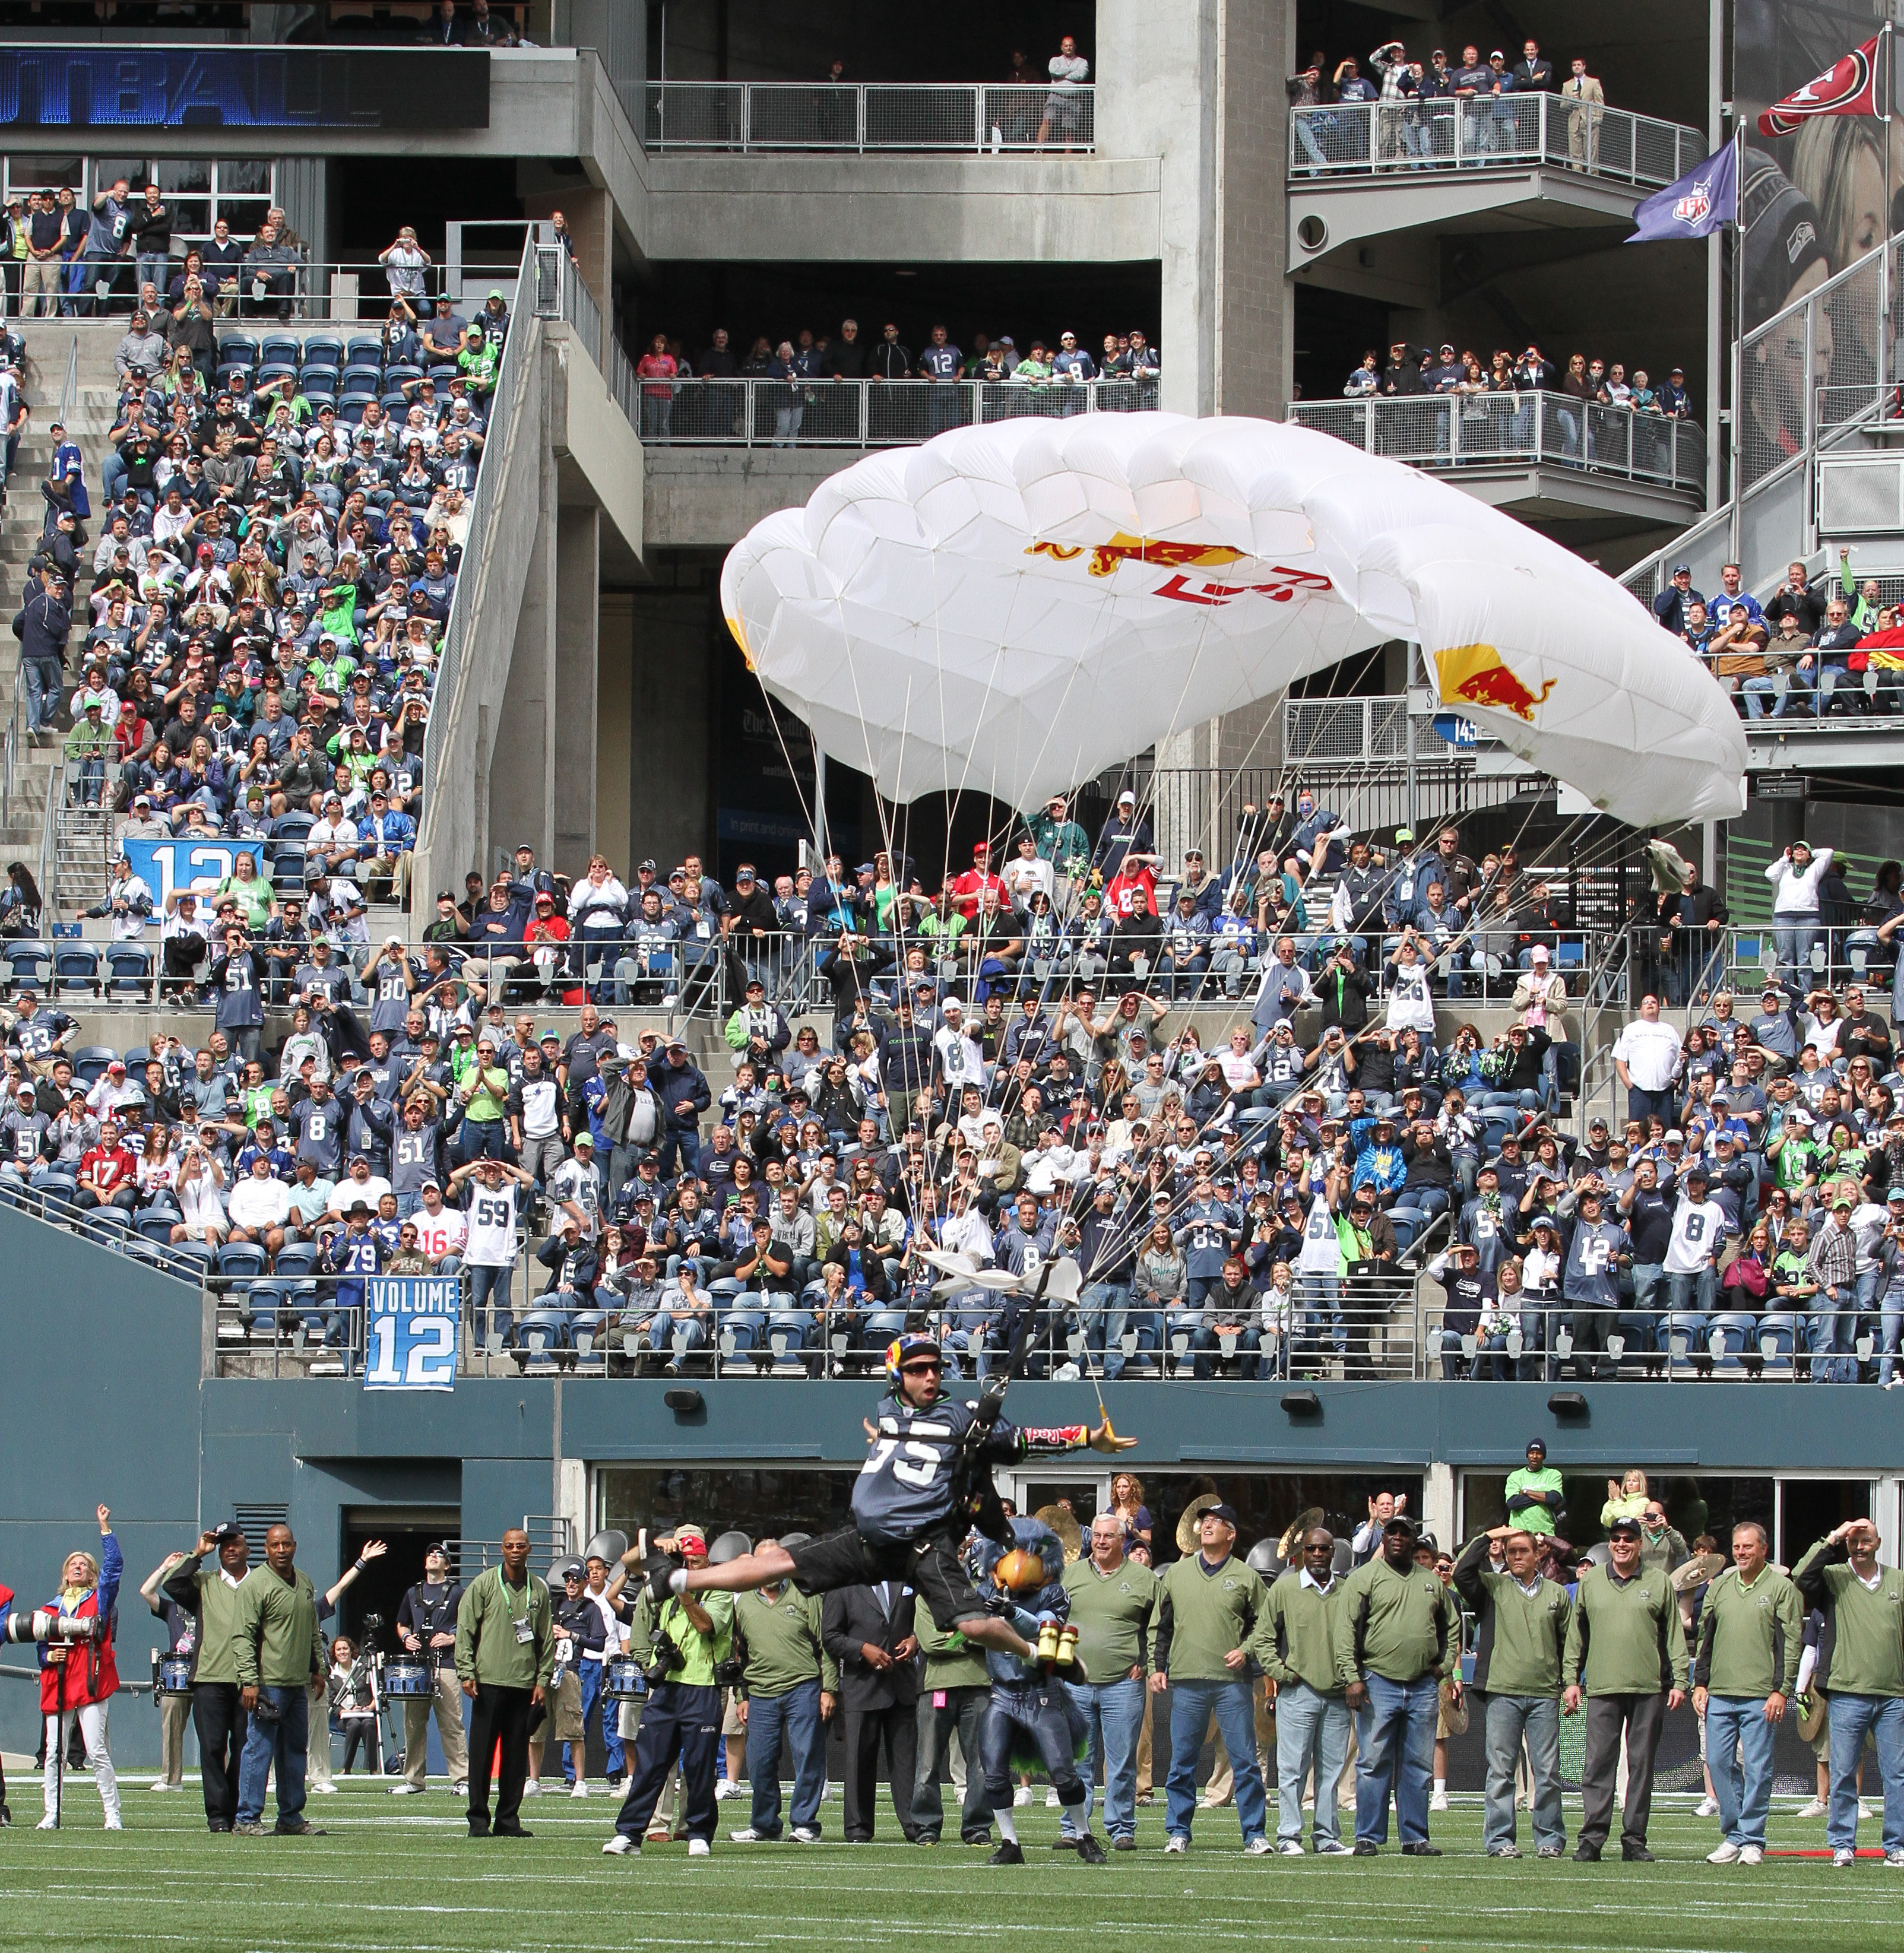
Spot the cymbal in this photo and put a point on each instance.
(1305, 1522)
(1063, 1521)
(1698, 1571)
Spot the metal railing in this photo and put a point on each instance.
(1473, 430)
(69, 389)
(821, 413)
(562, 294)
(980, 117)
(1490, 132)
(336, 291)
(52, 1197)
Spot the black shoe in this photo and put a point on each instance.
(659, 1568)
(479, 1830)
(1124, 1843)
(512, 1831)
(1586, 1855)
(1421, 1850)
(299, 1828)
(1009, 1852)
(1090, 1851)
(1366, 1848)
(1636, 1855)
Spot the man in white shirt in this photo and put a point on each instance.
(1645, 1055)
(359, 1187)
(1698, 1233)
(575, 1188)
(1028, 875)
(1411, 1008)
(441, 1230)
(961, 1063)
(335, 839)
(258, 1206)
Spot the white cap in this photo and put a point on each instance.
(1539, 952)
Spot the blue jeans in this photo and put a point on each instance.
(792, 1719)
(590, 1675)
(1191, 1705)
(1310, 1728)
(1115, 1712)
(281, 1743)
(1793, 945)
(490, 1301)
(1739, 1752)
(1396, 1734)
(42, 677)
(1851, 1716)
(1537, 1718)
(1321, 1299)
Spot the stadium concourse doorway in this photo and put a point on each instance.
(409, 1532)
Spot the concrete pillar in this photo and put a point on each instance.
(615, 728)
(522, 760)
(578, 577)
(1439, 1504)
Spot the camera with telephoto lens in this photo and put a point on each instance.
(40, 1624)
(664, 1659)
(730, 1673)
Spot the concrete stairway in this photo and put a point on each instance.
(49, 343)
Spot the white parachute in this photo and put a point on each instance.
(1013, 608)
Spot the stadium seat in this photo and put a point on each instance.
(234, 377)
(29, 960)
(319, 396)
(399, 370)
(260, 1304)
(298, 1258)
(361, 379)
(241, 1258)
(76, 970)
(89, 1062)
(322, 349)
(362, 350)
(238, 348)
(155, 1227)
(129, 970)
(350, 407)
(442, 371)
(57, 1191)
(288, 864)
(293, 826)
(316, 376)
(278, 349)
(395, 403)
(107, 1225)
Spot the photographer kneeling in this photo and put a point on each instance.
(691, 1650)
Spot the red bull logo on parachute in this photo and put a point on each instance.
(1477, 675)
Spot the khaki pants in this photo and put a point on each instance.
(394, 869)
(175, 1717)
(1143, 1747)
(316, 1747)
(1583, 132)
(39, 279)
(446, 1704)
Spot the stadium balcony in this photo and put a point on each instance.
(1515, 163)
(1545, 457)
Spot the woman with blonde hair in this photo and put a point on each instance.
(77, 1683)
(1626, 1497)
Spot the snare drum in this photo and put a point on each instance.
(409, 1678)
(623, 1680)
(175, 1674)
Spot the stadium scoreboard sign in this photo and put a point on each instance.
(62, 90)
(410, 1332)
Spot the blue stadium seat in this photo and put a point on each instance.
(364, 351)
(350, 407)
(238, 348)
(260, 1304)
(129, 970)
(319, 396)
(156, 1226)
(286, 860)
(241, 1258)
(322, 349)
(90, 1060)
(317, 375)
(107, 1225)
(398, 371)
(29, 959)
(298, 1258)
(76, 970)
(60, 1188)
(360, 379)
(293, 826)
(279, 348)
(272, 371)
(395, 403)
(443, 371)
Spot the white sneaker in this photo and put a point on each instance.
(697, 1848)
(1726, 1854)
(113, 1823)
(748, 1836)
(326, 1789)
(1844, 1855)
(1707, 1807)
(1051, 1800)
(1334, 1847)
(1439, 1801)
(1258, 1847)
(580, 1790)
(160, 1786)
(407, 1790)
(1751, 1854)
(1290, 1847)
(724, 1790)
(1177, 1844)
(1895, 1860)
(533, 1788)
(1022, 1797)
(1814, 1809)
(45, 1824)
(618, 1847)
(670, 1001)
(1865, 1808)
(803, 1834)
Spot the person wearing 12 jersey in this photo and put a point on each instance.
(926, 1477)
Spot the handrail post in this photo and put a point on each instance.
(859, 116)
(746, 116)
(1369, 425)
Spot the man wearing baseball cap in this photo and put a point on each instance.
(1625, 1655)
(1209, 1606)
(1397, 1639)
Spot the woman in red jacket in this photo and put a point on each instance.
(77, 1681)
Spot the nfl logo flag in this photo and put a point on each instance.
(1696, 205)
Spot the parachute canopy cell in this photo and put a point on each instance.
(1012, 609)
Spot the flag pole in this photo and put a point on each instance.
(1886, 57)
(1737, 538)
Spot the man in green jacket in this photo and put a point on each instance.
(1534, 1492)
(953, 1692)
(1113, 1607)
(1750, 1625)
(210, 1595)
(505, 1656)
(1296, 1644)
(791, 1684)
(1209, 1607)
(1861, 1664)
(1521, 1621)
(278, 1650)
(1397, 1636)
(1625, 1649)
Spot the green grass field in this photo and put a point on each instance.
(402, 1875)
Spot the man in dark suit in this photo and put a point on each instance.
(868, 1631)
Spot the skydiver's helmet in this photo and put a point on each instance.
(903, 1349)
